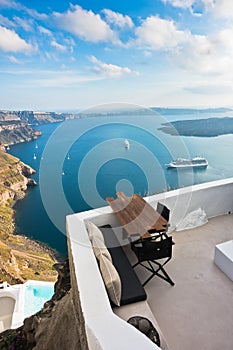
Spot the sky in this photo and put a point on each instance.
(62, 55)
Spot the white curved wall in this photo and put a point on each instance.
(15, 293)
(104, 329)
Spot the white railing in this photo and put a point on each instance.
(215, 198)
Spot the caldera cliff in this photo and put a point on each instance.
(20, 258)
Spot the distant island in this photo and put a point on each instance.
(209, 127)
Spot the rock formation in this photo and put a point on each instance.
(21, 258)
(13, 178)
(57, 327)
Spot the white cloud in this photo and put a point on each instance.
(179, 3)
(62, 79)
(59, 47)
(189, 3)
(223, 8)
(196, 7)
(10, 41)
(118, 19)
(156, 34)
(147, 53)
(86, 25)
(4, 21)
(35, 14)
(214, 87)
(211, 55)
(200, 54)
(52, 78)
(26, 25)
(45, 31)
(9, 4)
(109, 70)
(13, 59)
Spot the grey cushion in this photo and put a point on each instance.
(132, 289)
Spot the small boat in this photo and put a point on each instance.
(36, 146)
(126, 144)
(197, 162)
(8, 148)
(68, 157)
(63, 173)
(34, 157)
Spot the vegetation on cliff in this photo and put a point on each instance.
(20, 258)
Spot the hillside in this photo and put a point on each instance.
(20, 257)
(34, 117)
(15, 131)
(209, 127)
(16, 126)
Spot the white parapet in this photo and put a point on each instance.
(104, 329)
(215, 198)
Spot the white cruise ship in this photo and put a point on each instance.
(197, 162)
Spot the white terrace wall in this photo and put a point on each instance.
(104, 330)
(215, 198)
(102, 326)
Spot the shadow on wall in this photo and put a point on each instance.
(7, 305)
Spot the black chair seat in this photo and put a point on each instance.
(148, 251)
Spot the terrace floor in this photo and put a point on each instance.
(196, 313)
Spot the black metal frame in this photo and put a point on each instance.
(149, 251)
(165, 213)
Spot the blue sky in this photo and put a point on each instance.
(61, 55)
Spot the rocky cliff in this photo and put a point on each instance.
(59, 326)
(13, 178)
(33, 117)
(14, 131)
(20, 257)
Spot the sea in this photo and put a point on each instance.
(81, 162)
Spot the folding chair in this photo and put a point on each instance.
(165, 213)
(148, 251)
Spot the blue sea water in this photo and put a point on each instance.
(81, 162)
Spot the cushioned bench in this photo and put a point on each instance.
(132, 289)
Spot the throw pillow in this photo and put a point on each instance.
(94, 232)
(97, 241)
(111, 279)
